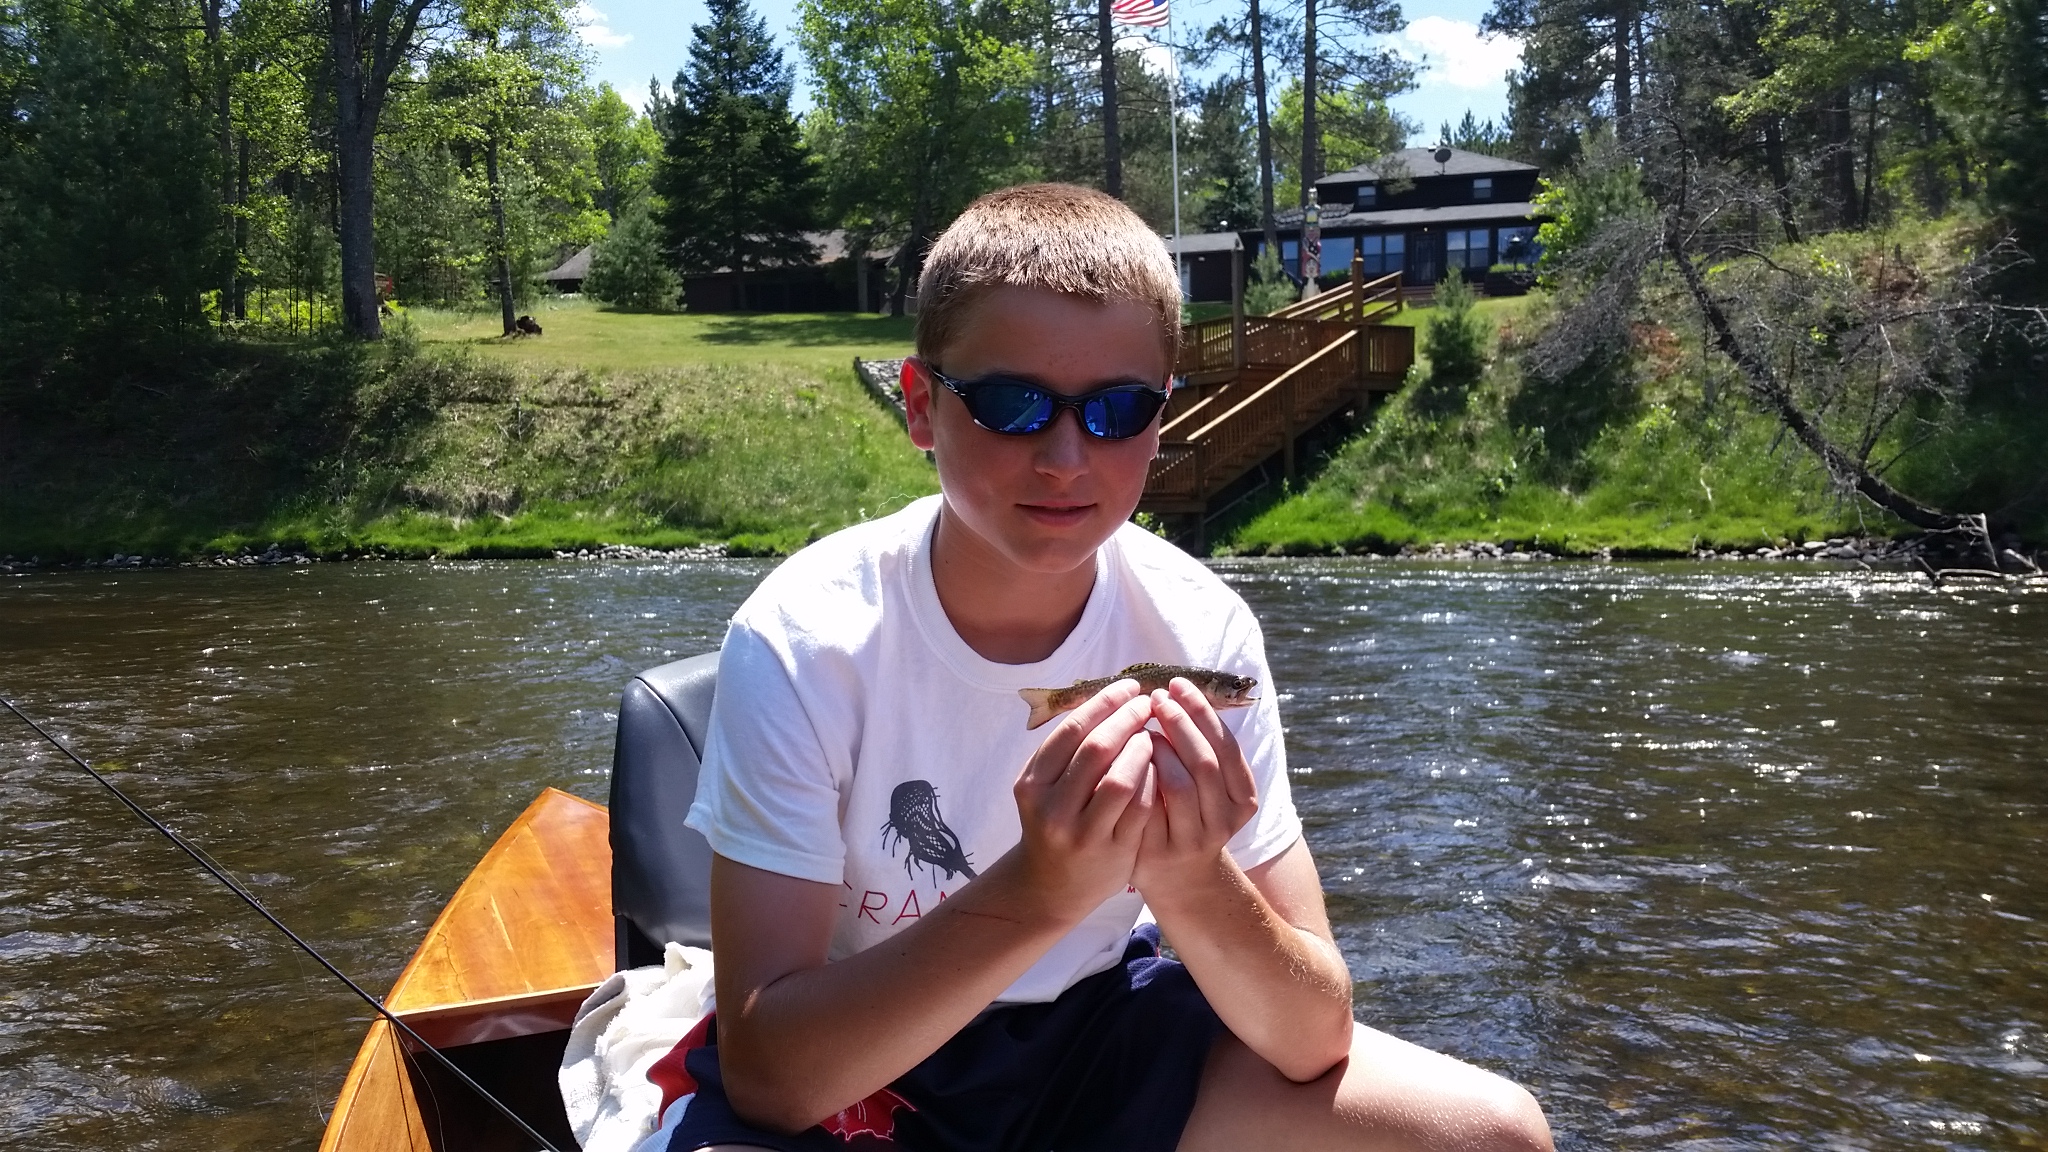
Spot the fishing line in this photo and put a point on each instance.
(249, 898)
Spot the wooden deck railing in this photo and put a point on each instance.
(1231, 436)
(1208, 347)
(1244, 403)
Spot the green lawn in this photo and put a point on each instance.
(1501, 310)
(611, 427)
(579, 333)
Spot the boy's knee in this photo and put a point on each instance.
(1503, 1117)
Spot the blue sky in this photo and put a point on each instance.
(633, 40)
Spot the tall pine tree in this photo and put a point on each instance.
(736, 178)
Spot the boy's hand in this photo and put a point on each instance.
(1206, 791)
(1084, 799)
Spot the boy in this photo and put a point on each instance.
(923, 911)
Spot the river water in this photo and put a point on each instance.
(1709, 856)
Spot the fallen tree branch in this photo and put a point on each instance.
(1770, 390)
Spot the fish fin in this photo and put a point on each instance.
(1040, 700)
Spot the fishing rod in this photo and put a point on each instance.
(249, 898)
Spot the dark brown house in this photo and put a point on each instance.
(1414, 213)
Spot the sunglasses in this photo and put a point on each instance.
(1013, 406)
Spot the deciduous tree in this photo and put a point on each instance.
(929, 102)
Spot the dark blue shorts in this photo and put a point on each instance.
(1112, 1065)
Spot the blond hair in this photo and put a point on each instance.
(1057, 237)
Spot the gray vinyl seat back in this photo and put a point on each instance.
(661, 871)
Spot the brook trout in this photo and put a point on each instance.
(1223, 689)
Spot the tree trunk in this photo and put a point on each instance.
(1771, 392)
(354, 224)
(1311, 140)
(1112, 143)
(1624, 70)
(358, 102)
(241, 225)
(1265, 131)
(1781, 179)
(857, 250)
(355, 132)
(1841, 161)
(910, 258)
(1869, 157)
(223, 124)
(502, 241)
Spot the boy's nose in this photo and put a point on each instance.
(1063, 446)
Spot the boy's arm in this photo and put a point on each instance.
(1258, 943)
(799, 1039)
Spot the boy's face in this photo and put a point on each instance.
(1041, 503)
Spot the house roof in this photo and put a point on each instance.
(1336, 216)
(1198, 242)
(576, 267)
(1420, 163)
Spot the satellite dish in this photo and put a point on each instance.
(1442, 155)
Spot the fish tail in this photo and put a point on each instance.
(1040, 700)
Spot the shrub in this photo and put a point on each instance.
(1271, 288)
(629, 268)
(1455, 343)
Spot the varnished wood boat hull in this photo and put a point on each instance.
(494, 984)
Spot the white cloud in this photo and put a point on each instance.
(1454, 54)
(595, 27)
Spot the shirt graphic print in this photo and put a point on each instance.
(914, 820)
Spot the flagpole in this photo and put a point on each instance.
(1173, 134)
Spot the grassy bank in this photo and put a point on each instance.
(1642, 465)
(661, 431)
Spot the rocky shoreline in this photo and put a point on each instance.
(1935, 554)
(1939, 556)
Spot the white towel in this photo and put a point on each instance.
(632, 1020)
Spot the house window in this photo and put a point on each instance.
(1290, 254)
(1336, 255)
(1482, 188)
(1382, 254)
(1468, 248)
(1368, 197)
(1518, 246)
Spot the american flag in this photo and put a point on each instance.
(1142, 13)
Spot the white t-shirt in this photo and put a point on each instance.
(857, 740)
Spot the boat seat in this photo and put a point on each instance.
(661, 871)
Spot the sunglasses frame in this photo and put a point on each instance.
(965, 390)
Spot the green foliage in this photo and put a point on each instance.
(109, 230)
(1676, 477)
(1269, 288)
(1482, 136)
(1223, 186)
(737, 181)
(1599, 189)
(629, 267)
(1355, 125)
(922, 105)
(352, 448)
(625, 148)
(1455, 344)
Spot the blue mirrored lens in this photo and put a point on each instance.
(1012, 408)
(1119, 415)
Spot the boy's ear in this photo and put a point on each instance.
(917, 402)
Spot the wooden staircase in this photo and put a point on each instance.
(1254, 384)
